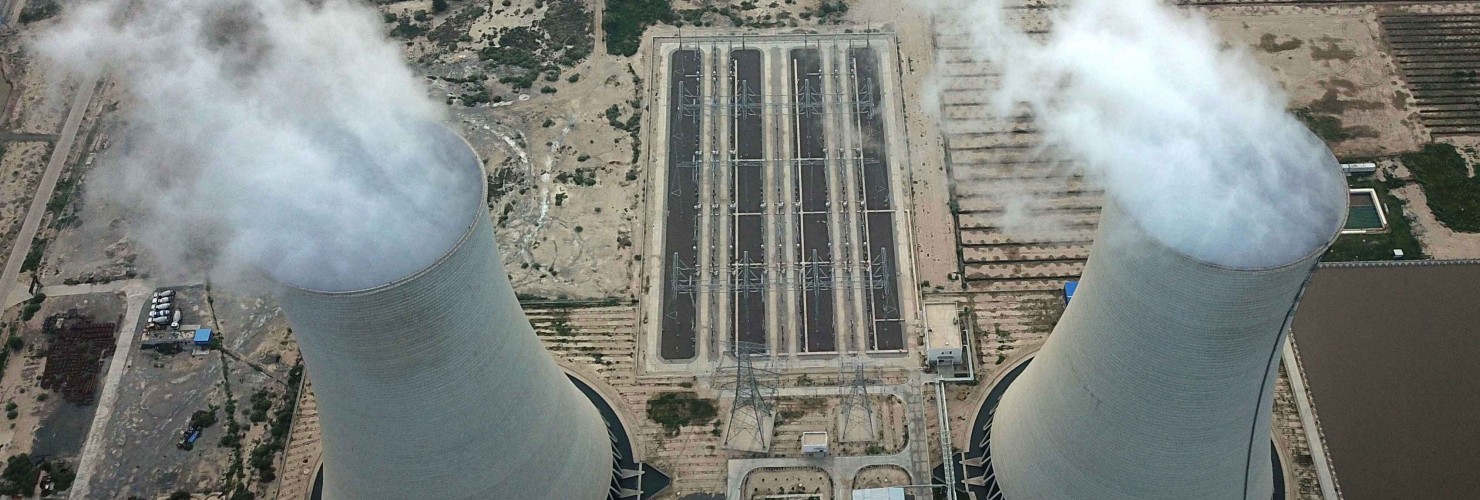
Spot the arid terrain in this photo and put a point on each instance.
(563, 117)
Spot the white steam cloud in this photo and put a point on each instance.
(1182, 132)
(277, 135)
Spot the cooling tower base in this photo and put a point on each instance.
(974, 467)
(631, 480)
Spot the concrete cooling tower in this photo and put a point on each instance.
(1158, 381)
(435, 385)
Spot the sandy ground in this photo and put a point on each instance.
(935, 229)
(1332, 62)
(38, 102)
(882, 476)
(33, 106)
(20, 172)
(763, 483)
(806, 414)
(559, 238)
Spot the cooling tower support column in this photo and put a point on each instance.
(1157, 382)
(435, 386)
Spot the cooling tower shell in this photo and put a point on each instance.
(1157, 382)
(435, 386)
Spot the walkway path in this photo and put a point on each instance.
(136, 291)
(49, 179)
(26, 137)
(598, 15)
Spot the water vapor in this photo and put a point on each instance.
(283, 136)
(1184, 132)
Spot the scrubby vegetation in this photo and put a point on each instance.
(33, 305)
(517, 56)
(22, 471)
(627, 20)
(677, 409)
(1454, 195)
(828, 12)
(264, 455)
(38, 10)
(1330, 128)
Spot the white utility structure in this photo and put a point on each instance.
(814, 444)
(943, 346)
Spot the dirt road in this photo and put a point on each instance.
(49, 179)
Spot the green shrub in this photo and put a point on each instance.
(19, 476)
(261, 403)
(40, 10)
(626, 20)
(30, 311)
(677, 409)
(33, 258)
(1453, 195)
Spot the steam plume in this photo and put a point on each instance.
(1184, 134)
(280, 135)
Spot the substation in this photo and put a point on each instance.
(776, 198)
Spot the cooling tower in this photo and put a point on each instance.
(435, 386)
(1157, 382)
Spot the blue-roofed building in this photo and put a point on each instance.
(1069, 289)
(203, 336)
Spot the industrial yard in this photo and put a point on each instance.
(792, 246)
(756, 165)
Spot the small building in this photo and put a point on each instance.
(203, 337)
(879, 494)
(943, 345)
(1069, 289)
(1359, 168)
(814, 444)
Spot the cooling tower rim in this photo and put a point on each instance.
(480, 210)
(1315, 253)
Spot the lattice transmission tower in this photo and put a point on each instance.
(752, 414)
(856, 411)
